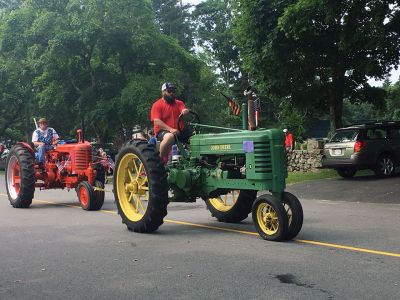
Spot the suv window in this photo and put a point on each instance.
(343, 136)
(394, 133)
(376, 133)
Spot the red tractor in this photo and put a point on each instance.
(69, 165)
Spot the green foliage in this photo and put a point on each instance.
(213, 20)
(319, 52)
(392, 107)
(101, 62)
(174, 20)
(293, 119)
(9, 4)
(388, 110)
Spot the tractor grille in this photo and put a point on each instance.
(82, 159)
(262, 157)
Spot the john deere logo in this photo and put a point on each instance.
(220, 147)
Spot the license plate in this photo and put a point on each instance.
(337, 151)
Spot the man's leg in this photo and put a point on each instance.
(41, 153)
(166, 144)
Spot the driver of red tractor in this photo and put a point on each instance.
(44, 138)
(165, 113)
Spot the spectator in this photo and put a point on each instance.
(289, 140)
(137, 133)
(152, 138)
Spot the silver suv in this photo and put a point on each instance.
(374, 146)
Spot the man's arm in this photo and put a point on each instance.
(56, 137)
(164, 126)
(35, 141)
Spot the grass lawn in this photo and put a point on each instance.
(295, 177)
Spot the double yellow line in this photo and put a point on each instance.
(321, 244)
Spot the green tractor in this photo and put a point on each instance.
(225, 169)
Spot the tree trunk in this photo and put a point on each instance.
(335, 112)
(336, 98)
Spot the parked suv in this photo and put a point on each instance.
(374, 146)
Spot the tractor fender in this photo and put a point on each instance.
(28, 147)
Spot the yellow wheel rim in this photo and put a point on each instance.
(132, 187)
(225, 203)
(267, 219)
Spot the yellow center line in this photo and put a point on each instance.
(316, 243)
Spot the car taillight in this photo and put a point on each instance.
(359, 145)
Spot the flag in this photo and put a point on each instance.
(233, 105)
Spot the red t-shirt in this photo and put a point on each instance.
(166, 112)
(289, 140)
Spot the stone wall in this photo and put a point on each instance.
(306, 160)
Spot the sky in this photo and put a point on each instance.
(395, 74)
(192, 1)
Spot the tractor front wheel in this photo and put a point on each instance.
(233, 207)
(88, 197)
(140, 187)
(20, 177)
(270, 218)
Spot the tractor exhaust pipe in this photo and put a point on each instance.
(250, 103)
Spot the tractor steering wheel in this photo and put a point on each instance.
(185, 121)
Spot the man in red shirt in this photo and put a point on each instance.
(165, 113)
(289, 140)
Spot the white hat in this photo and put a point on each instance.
(168, 85)
(285, 130)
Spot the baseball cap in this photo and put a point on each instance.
(285, 130)
(168, 86)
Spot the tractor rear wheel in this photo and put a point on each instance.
(294, 213)
(20, 177)
(140, 187)
(233, 207)
(270, 218)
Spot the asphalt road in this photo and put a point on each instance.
(57, 251)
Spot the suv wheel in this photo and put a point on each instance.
(346, 173)
(384, 166)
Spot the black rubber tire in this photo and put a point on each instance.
(98, 196)
(238, 212)
(158, 186)
(27, 176)
(278, 207)
(379, 167)
(347, 172)
(89, 189)
(294, 211)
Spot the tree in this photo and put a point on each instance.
(102, 62)
(213, 20)
(174, 20)
(16, 95)
(391, 110)
(319, 52)
(9, 4)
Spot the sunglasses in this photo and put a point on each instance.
(171, 91)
